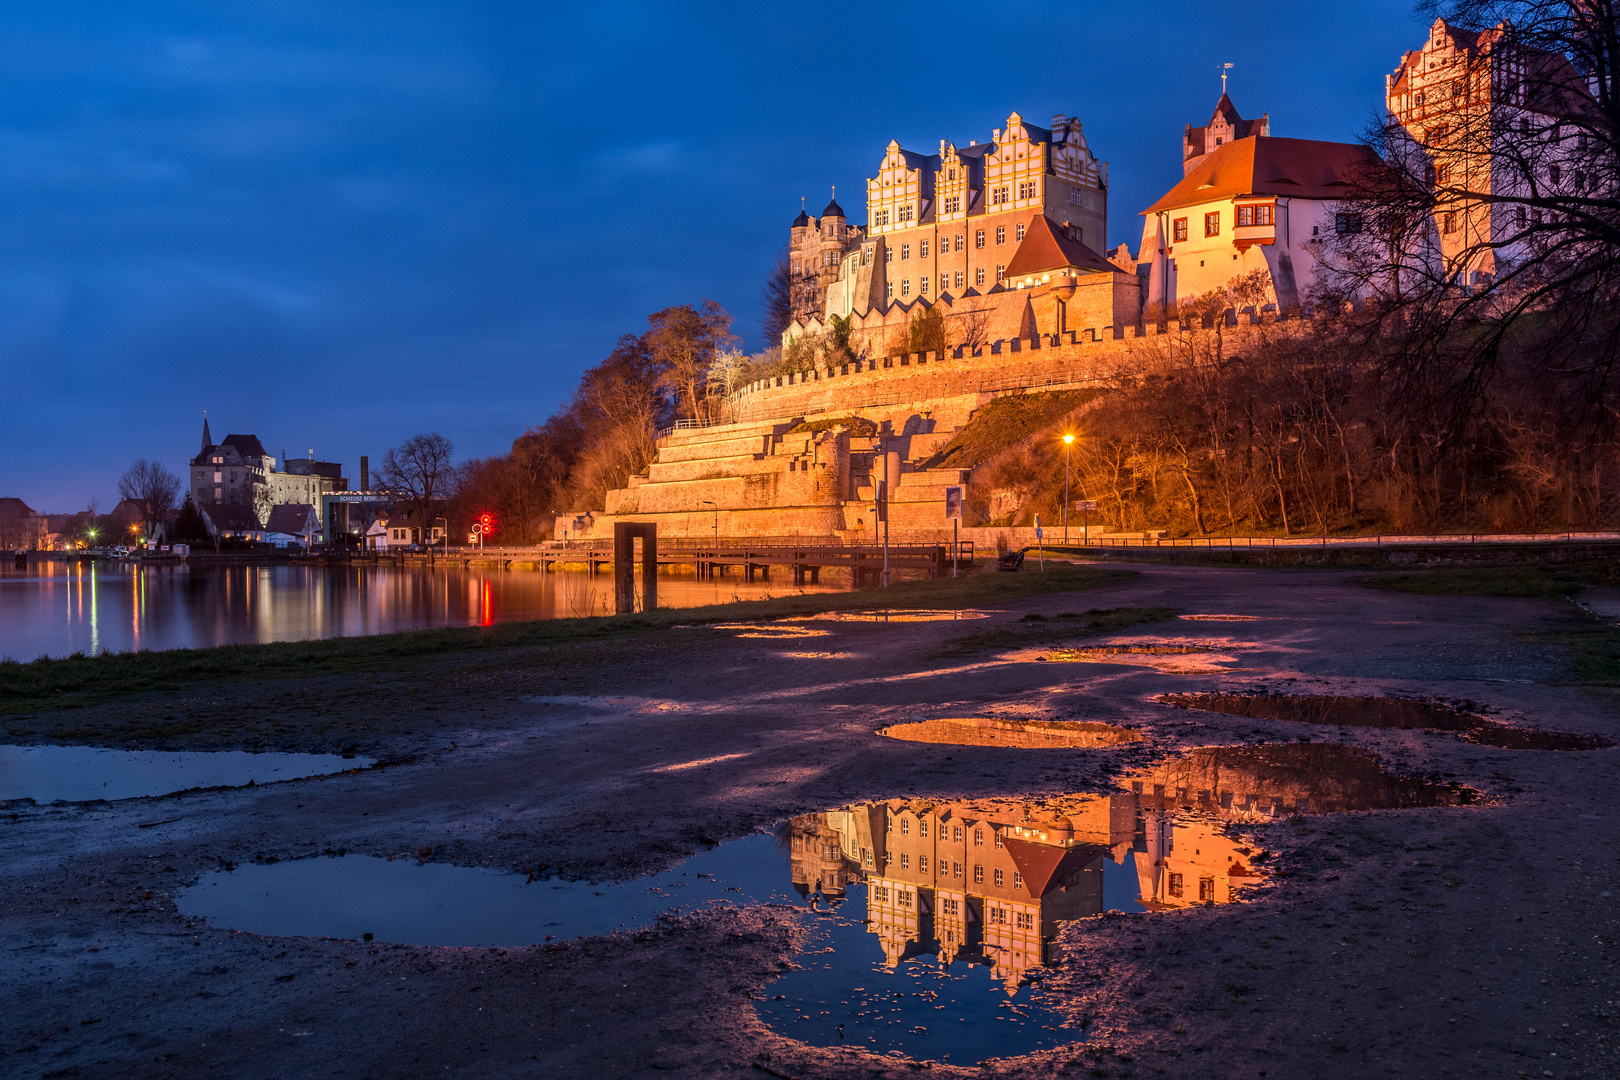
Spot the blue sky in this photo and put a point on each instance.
(338, 224)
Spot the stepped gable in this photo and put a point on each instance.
(1263, 165)
(1048, 246)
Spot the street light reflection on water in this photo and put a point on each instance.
(61, 608)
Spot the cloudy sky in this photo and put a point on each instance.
(336, 224)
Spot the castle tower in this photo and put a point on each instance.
(1225, 125)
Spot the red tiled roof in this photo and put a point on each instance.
(1264, 165)
(1047, 247)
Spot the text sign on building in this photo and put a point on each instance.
(953, 502)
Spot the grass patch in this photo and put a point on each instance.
(83, 680)
(1004, 423)
(1553, 581)
(1046, 629)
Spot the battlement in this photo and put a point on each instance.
(1050, 361)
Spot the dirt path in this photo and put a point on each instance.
(1472, 941)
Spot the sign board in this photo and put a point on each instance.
(1085, 504)
(1039, 532)
(953, 502)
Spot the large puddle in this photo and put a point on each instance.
(1384, 712)
(931, 921)
(48, 774)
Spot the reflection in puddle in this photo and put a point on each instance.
(84, 773)
(931, 920)
(1383, 712)
(1023, 734)
(1232, 618)
(770, 630)
(899, 616)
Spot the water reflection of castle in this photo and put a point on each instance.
(989, 881)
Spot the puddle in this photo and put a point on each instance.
(897, 616)
(770, 631)
(1383, 712)
(1173, 659)
(1233, 618)
(49, 774)
(931, 922)
(1022, 734)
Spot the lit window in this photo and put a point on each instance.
(1212, 223)
(1178, 230)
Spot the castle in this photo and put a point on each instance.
(997, 246)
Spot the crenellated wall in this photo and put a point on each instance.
(804, 452)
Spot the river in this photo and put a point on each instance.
(61, 608)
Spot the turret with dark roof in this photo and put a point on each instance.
(1225, 125)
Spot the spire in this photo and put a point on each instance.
(208, 440)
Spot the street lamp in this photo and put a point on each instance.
(1068, 441)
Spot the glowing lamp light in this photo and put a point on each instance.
(1068, 439)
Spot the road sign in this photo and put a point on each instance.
(953, 502)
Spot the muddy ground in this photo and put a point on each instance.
(1470, 941)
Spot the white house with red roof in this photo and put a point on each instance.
(1256, 203)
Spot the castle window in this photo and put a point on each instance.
(953, 204)
(1001, 234)
(922, 864)
(1450, 222)
(922, 249)
(1347, 223)
(905, 827)
(1000, 880)
(1074, 196)
(905, 212)
(999, 195)
(922, 829)
(1206, 889)
(1001, 276)
(1262, 215)
(1212, 223)
(1026, 189)
(1018, 880)
(923, 288)
(889, 290)
(888, 254)
(1018, 232)
(1176, 887)
(959, 285)
(1026, 921)
(951, 174)
(959, 239)
(1245, 216)
(978, 238)
(905, 252)
(1178, 230)
(905, 861)
(978, 874)
(905, 287)
(997, 837)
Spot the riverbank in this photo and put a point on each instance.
(1469, 940)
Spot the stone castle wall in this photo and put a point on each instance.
(803, 453)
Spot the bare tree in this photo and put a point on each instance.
(776, 300)
(419, 472)
(1491, 240)
(683, 340)
(154, 489)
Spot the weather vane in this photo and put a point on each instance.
(1224, 69)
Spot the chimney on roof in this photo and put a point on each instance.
(365, 473)
(1058, 120)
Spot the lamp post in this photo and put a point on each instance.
(1068, 441)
